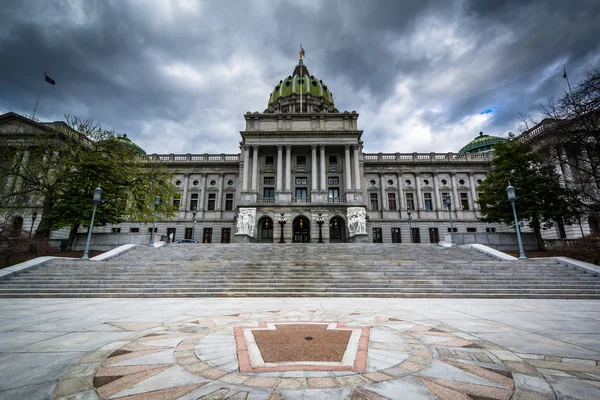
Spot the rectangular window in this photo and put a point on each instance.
(464, 201)
(396, 237)
(300, 160)
(116, 230)
(490, 230)
(444, 195)
(176, 201)
(434, 235)
(392, 202)
(194, 201)
(212, 199)
(416, 235)
(374, 202)
(333, 180)
(301, 193)
(471, 229)
(134, 230)
(269, 180)
(377, 237)
(301, 180)
(453, 229)
(269, 160)
(229, 202)
(427, 200)
(155, 230)
(207, 235)
(333, 160)
(268, 193)
(171, 234)
(225, 235)
(410, 201)
(333, 193)
(188, 233)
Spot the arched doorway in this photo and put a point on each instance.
(337, 230)
(265, 230)
(301, 230)
(17, 225)
(594, 224)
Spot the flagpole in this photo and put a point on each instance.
(39, 94)
(569, 84)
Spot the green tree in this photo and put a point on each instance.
(542, 200)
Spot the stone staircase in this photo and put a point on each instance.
(303, 270)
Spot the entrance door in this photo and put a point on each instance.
(396, 238)
(337, 230)
(434, 235)
(265, 230)
(225, 235)
(301, 230)
(170, 235)
(416, 235)
(207, 237)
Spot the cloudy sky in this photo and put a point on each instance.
(177, 76)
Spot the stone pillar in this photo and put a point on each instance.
(183, 202)
(401, 201)
(322, 169)
(202, 192)
(384, 203)
(313, 169)
(347, 172)
(357, 176)
(279, 167)
(454, 191)
(254, 168)
(288, 168)
(246, 168)
(436, 191)
(474, 205)
(419, 202)
(566, 167)
(220, 194)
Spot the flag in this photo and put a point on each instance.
(49, 80)
(565, 74)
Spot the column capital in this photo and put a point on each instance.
(322, 145)
(288, 146)
(279, 147)
(347, 146)
(314, 146)
(255, 146)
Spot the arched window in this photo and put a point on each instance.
(17, 225)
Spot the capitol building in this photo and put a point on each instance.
(301, 160)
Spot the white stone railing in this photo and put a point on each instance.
(194, 157)
(426, 157)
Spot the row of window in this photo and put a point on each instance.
(300, 160)
(408, 182)
(410, 201)
(434, 235)
(212, 201)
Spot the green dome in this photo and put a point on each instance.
(481, 144)
(128, 143)
(301, 81)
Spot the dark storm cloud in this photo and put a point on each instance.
(178, 75)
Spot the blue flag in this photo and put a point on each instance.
(49, 80)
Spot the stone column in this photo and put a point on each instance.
(474, 205)
(454, 191)
(436, 191)
(401, 201)
(246, 168)
(419, 202)
(347, 172)
(566, 167)
(186, 182)
(254, 168)
(279, 167)
(357, 176)
(313, 169)
(220, 194)
(323, 171)
(384, 203)
(202, 192)
(288, 168)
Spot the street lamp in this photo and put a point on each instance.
(96, 199)
(409, 212)
(512, 196)
(33, 217)
(320, 221)
(193, 223)
(282, 222)
(449, 205)
(156, 204)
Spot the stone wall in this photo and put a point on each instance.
(497, 240)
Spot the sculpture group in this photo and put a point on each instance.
(357, 221)
(246, 220)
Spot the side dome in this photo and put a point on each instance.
(481, 144)
(125, 141)
(316, 96)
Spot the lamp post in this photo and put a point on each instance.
(449, 205)
(156, 204)
(512, 196)
(97, 196)
(320, 221)
(410, 233)
(33, 217)
(193, 223)
(282, 222)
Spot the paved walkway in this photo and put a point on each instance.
(299, 349)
